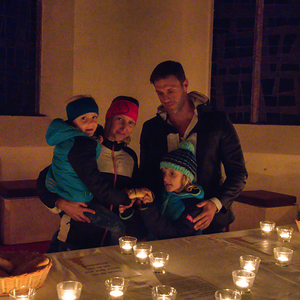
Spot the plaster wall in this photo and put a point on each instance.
(108, 48)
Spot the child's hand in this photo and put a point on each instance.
(148, 198)
(122, 208)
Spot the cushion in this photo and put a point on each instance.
(263, 198)
(18, 188)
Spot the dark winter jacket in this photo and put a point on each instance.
(217, 143)
(172, 219)
(80, 235)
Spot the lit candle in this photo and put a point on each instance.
(243, 283)
(142, 254)
(126, 244)
(68, 295)
(163, 297)
(283, 258)
(157, 264)
(284, 234)
(116, 293)
(249, 266)
(266, 227)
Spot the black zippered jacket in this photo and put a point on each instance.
(217, 143)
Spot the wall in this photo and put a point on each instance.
(107, 48)
(272, 155)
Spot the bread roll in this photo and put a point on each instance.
(3, 274)
(33, 265)
(6, 265)
(137, 193)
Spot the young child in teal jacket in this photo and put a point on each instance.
(173, 217)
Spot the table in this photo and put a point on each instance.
(199, 265)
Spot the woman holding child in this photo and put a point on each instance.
(104, 176)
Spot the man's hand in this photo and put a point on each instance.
(74, 210)
(204, 219)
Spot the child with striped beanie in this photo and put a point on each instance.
(173, 216)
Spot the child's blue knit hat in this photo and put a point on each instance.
(80, 107)
(182, 160)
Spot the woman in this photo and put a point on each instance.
(118, 166)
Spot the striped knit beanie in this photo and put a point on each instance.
(182, 160)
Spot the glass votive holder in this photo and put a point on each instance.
(159, 261)
(250, 262)
(284, 233)
(283, 256)
(243, 280)
(69, 290)
(126, 244)
(228, 294)
(267, 227)
(141, 253)
(116, 287)
(163, 292)
(22, 293)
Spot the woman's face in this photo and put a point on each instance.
(121, 128)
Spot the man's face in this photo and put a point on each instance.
(171, 93)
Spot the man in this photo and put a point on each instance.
(188, 116)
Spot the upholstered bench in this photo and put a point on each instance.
(23, 217)
(251, 207)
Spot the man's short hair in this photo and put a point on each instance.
(166, 69)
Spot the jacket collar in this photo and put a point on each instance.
(196, 97)
(113, 144)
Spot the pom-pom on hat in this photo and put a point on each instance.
(182, 160)
(80, 107)
(123, 105)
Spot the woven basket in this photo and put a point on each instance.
(35, 279)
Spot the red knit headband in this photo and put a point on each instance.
(123, 107)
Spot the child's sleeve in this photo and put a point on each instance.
(82, 158)
(163, 228)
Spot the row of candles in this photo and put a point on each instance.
(244, 278)
(143, 255)
(283, 255)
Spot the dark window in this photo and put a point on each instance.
(277, 81)
(19, 57)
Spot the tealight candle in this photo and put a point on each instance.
(69, 290)
(228, 294)
(243, 280)
(116, 287)
(141, 253)
(163, 292)
(68, 295)
(159, 261)
(266, 227)
(283, 256)
(116, 293)
(22, 293)
(126, 244)
(284, 233)
(250, 262)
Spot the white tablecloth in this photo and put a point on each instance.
(198, 266)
